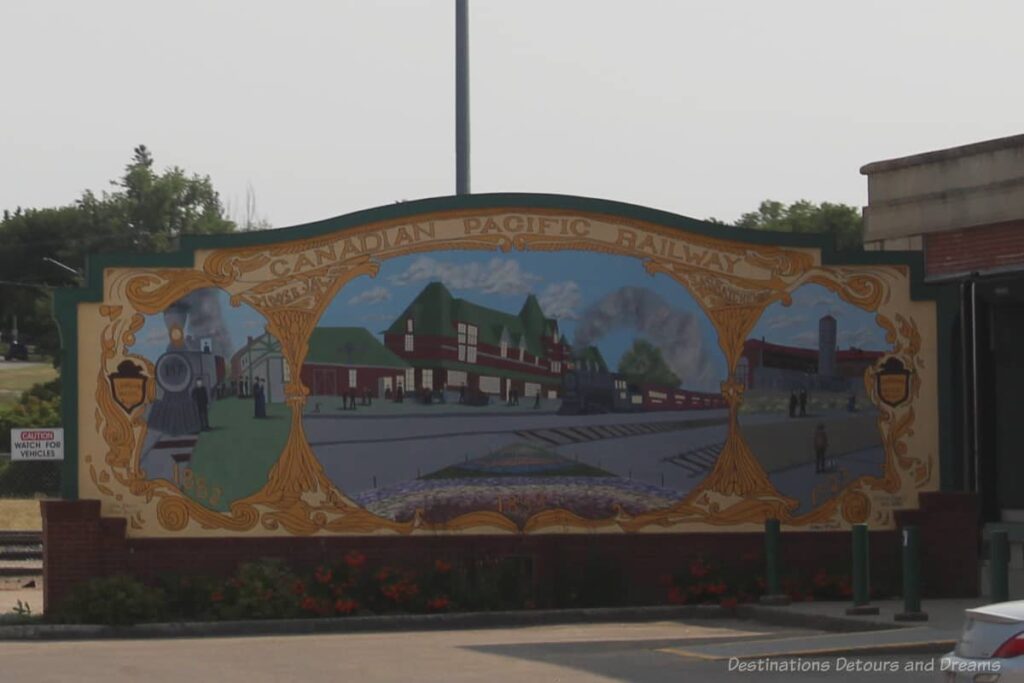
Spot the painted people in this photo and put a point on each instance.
(202, 402)
(820, 448)
(803, 403)
(793, 401)
(259, 398)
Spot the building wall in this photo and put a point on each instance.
(951, 189)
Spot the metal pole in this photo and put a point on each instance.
(773, 594)
(911, 578)
(998, 560)
(966, 353)
(861, 588)
(771, 554)
(976, 431)
(461, 97)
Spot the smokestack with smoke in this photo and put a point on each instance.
(200, 315)
(676, 333)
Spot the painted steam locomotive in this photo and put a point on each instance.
(595, 391)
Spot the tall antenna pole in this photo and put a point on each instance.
(461, 97)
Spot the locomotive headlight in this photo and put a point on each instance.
(177, 335)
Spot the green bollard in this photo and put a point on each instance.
(861, 587)
(773, 594)
(911, 578)
(998, 566)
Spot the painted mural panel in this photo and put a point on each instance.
(504, 371)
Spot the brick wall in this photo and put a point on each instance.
(993, 247)
(79, 544)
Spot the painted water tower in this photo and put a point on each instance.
(827, 346)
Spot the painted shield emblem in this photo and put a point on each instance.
(893, 382)
(128, 385)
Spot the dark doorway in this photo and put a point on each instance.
(1000, 383)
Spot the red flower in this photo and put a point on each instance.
(342, 606)
(729, 603)
(400, 590)
(298, 588)
(309, 604)
(442, 567)
(666, 580)
(355, 559)
(323, 575)
(216, 596)
(382, 575)
(675, 596)
(438, 603)
(698, 569)
(821, 579)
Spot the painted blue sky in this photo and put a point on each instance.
(797, 324)
(242, 322)
(565, 284)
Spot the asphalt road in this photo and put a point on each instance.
(566, 653)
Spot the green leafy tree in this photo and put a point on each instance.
(643, 363)
(842, 222)
(157, 208)
(146, 211)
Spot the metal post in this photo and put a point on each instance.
(773, 594)
(975, 408)
(861, 587)
(461, 97)
(998, 564)
(911, 578)
(966, 378)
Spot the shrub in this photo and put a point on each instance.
(114, 601)
(259, 590)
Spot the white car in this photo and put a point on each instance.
(991, 646)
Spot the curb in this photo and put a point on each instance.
(367, 624)
(475, 620)
(780, 616)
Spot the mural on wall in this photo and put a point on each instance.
(593, 373)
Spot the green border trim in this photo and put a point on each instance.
(66, 301)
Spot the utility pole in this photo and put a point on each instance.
(461, 97)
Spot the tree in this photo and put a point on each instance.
(147, 211)
(643, 364)
(844, 223)
(156, 209)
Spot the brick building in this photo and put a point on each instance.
(450, 343)
(764, 365)
(963, 207)
(350, 360)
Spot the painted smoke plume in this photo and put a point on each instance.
(676, 333)
(199, 315)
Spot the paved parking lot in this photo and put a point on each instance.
(583, 652)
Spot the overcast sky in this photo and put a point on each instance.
(701, 108)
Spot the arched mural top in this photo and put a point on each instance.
(657, 286)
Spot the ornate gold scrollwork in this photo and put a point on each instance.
(299, 498)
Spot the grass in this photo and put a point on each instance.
(20, 515)
(16, 377)
(233, 459)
